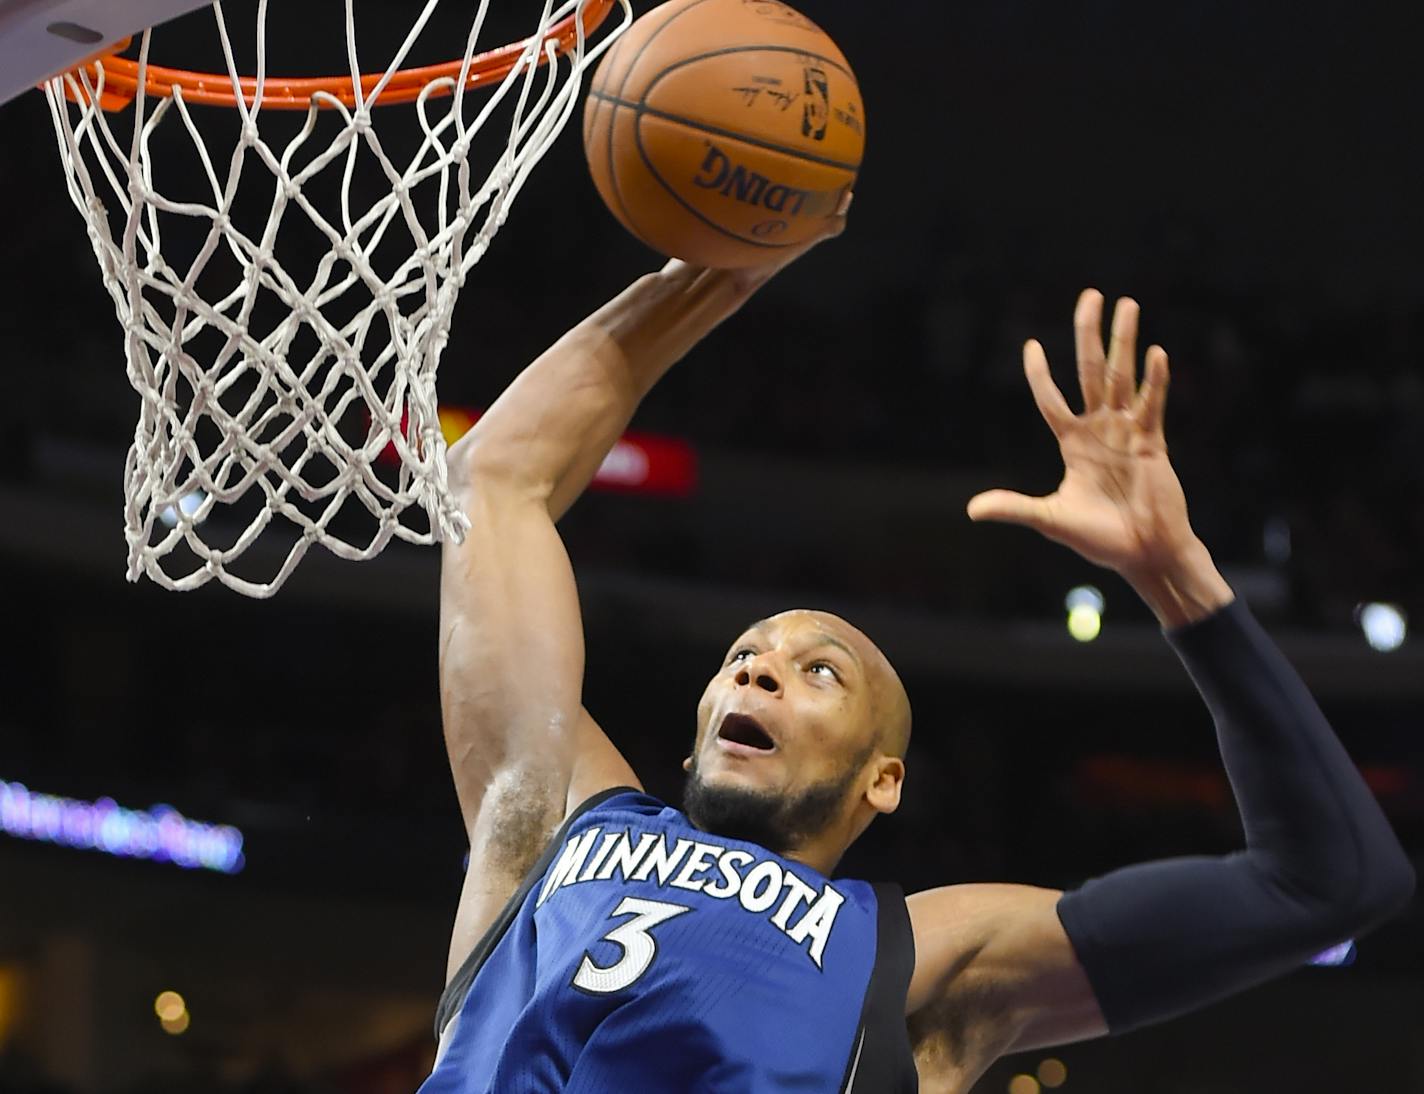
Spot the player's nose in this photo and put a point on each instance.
(759, 672)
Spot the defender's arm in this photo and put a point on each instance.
(1019, 967)
(1140, 945)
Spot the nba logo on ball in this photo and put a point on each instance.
(816, 112)
(710, 114)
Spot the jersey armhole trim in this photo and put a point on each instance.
(453, 996)
(882, 1060)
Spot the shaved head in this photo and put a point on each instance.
(890, 702)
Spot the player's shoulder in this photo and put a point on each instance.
(625, 803)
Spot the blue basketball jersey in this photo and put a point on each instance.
(644, 955)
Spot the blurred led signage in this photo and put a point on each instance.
(161, 834)
(638, 463)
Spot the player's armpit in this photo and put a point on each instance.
(519, 815)
(995, 962)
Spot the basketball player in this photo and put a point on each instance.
(608, 942)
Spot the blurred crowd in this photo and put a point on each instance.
(1293, 423)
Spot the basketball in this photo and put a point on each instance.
(724, 131)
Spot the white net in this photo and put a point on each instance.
(275, 381)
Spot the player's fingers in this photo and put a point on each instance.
(833, 225)
(1152, 401)
(749, 279)
(1122, 355)
(1008, 507)
(1088, 335)
(1051, 403)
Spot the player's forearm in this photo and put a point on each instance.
(555, 424)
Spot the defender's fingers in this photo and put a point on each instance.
(1051, 403)
(1152, 401)
(1122, 355)
(1008, 507)
(1088, 335)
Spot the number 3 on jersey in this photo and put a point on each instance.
(633, 938)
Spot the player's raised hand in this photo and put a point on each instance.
(748, 280)
(1120, 504)
(653, 323)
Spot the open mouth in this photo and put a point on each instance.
(741, 729)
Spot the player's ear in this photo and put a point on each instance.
(889, 776)
(687, 764)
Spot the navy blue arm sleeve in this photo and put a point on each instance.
(1320, 865)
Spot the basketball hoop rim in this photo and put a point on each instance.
(122, 82)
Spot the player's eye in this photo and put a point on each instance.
(825, 668)
(741, 655)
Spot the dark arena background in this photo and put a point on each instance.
(1251, 173)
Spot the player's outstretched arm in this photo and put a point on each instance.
(522, 749)
(1002, 968)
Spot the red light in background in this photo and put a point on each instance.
(638, 463)
(1143, 783)
(642, 463)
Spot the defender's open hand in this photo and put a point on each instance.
(1120, 504)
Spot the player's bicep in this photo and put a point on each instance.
(998, 957)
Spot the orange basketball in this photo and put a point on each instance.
(723, 131)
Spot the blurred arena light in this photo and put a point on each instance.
(1385, 625)
(188, 504)
(1052, 1073)
(169, 1006)
(160, 834)
(638, 463)
(9, 1004)
(1276, 540)
(1023, 1084)
(1343, 954)
(176, 1027)
(1085, 606)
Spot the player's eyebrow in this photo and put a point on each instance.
(831, 640)
(753, 633)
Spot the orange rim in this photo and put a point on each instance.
(121, 75)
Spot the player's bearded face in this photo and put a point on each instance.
(783, 734)
(777, 821)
